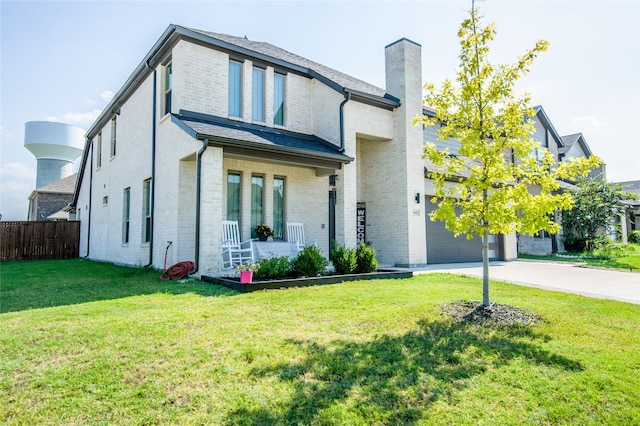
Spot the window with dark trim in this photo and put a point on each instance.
(278, 207)
(257, 90)
(235, 89)
(168, 86)
(113, 136)
(257, 198)
(126, 204)
(99, 151)
(233, 196)
(146, 211)
(278, 99)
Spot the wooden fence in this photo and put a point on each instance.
(39, 240)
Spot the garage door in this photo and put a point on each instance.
(443, 247)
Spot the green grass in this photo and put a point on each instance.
(625, 257)
(91, 343)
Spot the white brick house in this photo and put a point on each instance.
(212, 127)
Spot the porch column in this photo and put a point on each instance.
(211, 188)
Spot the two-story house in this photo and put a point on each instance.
(212, 127)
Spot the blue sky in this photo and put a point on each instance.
(62, 61)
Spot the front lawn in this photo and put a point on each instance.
(624, 257)
(91, 343)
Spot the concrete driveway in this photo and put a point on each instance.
(558, 276)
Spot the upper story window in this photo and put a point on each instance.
(538, 153)
(258, 95)
(278, 99)
(235, 89)
(113, 136)
(99, 151)
(168, 85)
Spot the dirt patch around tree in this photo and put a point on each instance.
(472, 311)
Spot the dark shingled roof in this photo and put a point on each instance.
(258, 139)
(268, 49)
(569, 140)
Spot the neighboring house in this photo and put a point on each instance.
(564, 148)
(48, 202)
(575, 146)
(212, 127)
(631, 220)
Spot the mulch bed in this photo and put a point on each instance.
(472, 311)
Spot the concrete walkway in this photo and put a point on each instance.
(557, 276)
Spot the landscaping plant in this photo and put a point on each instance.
(366, 259)
(310, 262)
(344, 259)
(275, 268)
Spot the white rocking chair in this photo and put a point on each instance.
(234, 251)
(295, 235)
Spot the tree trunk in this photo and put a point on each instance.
(485, 256)
(485, 269)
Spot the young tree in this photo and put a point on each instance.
(596, 207)
(499, 187)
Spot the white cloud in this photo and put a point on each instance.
(80, 119)
(107, 95)
(13, 189)
(589, 120)
(17, 170)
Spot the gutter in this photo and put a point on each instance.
(90, 198)
(153, 160)
(196, 258)
(347, 97)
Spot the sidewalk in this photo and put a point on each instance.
(557, 276)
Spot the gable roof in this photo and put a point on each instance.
(546, 122)
(570, 140)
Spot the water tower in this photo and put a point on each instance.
(55, 146)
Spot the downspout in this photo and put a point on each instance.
(153, 161)
(196, 260)
(347, 97)
(90, 197)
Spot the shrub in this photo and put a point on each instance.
(274, 268)
(343, 259)
(575, 245)
(309, 262)
(634, 237)
(366, 259)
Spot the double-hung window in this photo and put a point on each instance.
(278, 207)
(278, 99)
(257, 198)
(99, 151)
(233, 196)
(113, 136)
(257, 101)
(235, 89)
(168, 86)
(146, 210)
(126, 204)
